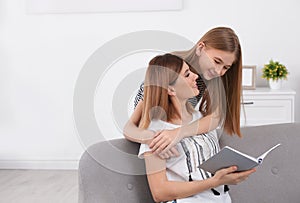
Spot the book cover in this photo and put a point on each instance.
(231, 157)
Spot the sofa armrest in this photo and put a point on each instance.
(110, 171)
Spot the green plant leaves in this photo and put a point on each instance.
(274, 70)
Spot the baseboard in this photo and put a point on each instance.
(40, 164)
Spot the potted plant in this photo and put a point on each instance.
(274, 72)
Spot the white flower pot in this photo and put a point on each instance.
(275, 84)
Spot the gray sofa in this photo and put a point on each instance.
(110, 172)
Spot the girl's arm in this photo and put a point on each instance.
(164, 190)
(166, 139)
(131, 130)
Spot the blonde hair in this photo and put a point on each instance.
(223, 95)
(163, 71)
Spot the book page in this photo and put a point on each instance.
(243, 154)
(261, 157)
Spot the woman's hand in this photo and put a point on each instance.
(228, 176)
(164, 140)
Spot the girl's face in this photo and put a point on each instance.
(185, 86)
(214, 62)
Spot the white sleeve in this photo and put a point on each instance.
(155, 125)
(143, 149)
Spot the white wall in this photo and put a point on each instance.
(42, 55)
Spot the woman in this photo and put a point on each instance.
(217, 58)
(169, 83)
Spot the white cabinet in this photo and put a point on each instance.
(265, 106)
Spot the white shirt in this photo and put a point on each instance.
(193, 151)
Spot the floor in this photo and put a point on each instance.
(38, 186)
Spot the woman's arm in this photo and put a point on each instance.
(131, 130)
(169, 138)
(164, 190)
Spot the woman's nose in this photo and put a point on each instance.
(195, 76)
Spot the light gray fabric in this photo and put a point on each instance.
(107, 174)
(106, 169)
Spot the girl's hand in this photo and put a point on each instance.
(173, 152)
(164, 140)
(228, 177)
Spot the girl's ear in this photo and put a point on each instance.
(200, 46)
(171, 91)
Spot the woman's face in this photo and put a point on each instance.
(214, 62)
(185, 86)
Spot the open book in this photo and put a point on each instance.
(231, 157)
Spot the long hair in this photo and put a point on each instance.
(223, 95)
(163, 70)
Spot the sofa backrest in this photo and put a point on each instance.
(110, 172)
